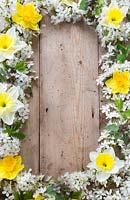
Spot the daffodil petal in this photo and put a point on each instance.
(12, 33)
(118, 165)
(93, 155)
(8, 118)
(110, 151)
(3, 87)
(102, 176)
(17, 105)
(91, 165)
(14, 92)
(113, 4)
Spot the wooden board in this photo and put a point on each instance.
(31, 145)
(64, 123)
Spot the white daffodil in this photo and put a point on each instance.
(113, 15)
(9, 103)
(106, 163)
(10, 44)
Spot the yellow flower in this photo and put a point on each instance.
(105, 161)
(119, 83)
(9, 103)
(10, 44)
(26, 16)
(39, 197)
(10, 166)
(114, 14)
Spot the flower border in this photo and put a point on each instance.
(107, 176)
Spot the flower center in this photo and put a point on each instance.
(9, 163)
(6, 42)
(6, 102)
(105, 161)
(115, 16)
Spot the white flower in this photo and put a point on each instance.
(9, 103)
(8, 145)
(10, 44)
(113, 15)
(105, 163)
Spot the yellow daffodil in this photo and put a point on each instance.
(10, 167)
(119, 83)
(113, 15)
(10, 44)
(39, 197)
(26, 16)
(105, 163)
(9, 103)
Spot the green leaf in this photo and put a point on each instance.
(112, 128)
(18, 135)
(14, 130)
(60, 197)
(21, 66)
(28, 195)
(50, 190)
(83, 5)
(76, 195)
(121, 57)
(98, 9)
(119, 104)
(122, 48)
(117, 136)
(126, 114)
(17, 126)
(126, 139)
(128, 48)
(17, 196)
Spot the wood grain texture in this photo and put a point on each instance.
(69, 98)
(30, 146)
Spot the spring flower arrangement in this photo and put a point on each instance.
(107, 176)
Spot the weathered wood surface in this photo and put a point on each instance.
(64, 120)
(31, 145)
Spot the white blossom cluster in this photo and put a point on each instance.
(27, 182)
(8, 145)
(63, 12)
(113, 35)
